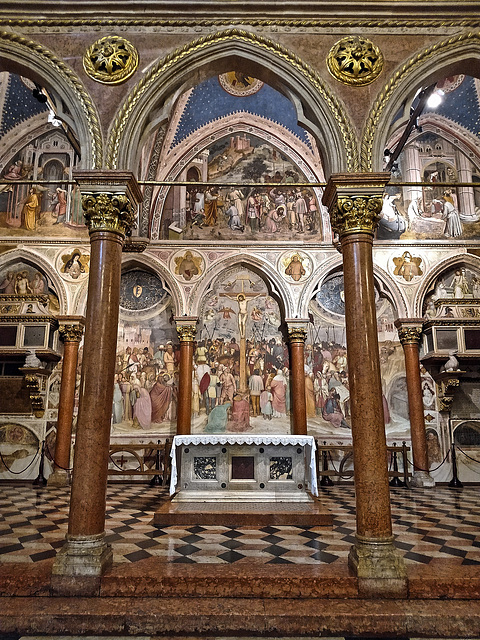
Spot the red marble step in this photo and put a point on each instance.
(170, 617)
(247, 514)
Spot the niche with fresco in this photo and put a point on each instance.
(146, 378)
(241, 374)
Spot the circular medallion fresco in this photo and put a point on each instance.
(140, 290)
(238, 84)
(295, 266)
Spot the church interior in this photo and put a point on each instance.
(239, 319)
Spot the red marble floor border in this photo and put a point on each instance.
(440, 579)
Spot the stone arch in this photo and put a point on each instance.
(323, 114)
(387, 286)
(448, 57)
(37, 261)
(33, 60)
(462, 260)
(279, 289)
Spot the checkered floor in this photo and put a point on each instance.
(428, 524)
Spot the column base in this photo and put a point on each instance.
(86, 556)
(422, 480)
(380, 569)
(59, 478)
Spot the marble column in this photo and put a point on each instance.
(410, 333)
(296, 337)
(109, 200)
(466, 197)
(354, 202)
(71, 332)
(187, 331)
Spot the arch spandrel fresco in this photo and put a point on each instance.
(37, 196)
(241, 374)
(242, 137)
(443, 149)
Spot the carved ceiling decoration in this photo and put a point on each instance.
(355, 61)
(110, 60)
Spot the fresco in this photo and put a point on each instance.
(250, 212)
(457, 283)
(241, 375)
(326, 367)
(146, 377)
(439, 153)
(36, 208)
(24, 279)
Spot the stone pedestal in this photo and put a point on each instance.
(297, 334)
(109, 203)
(187, 330)
(354, 202)
(71, 331)
(410, 332)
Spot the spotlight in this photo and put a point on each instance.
(435, 99)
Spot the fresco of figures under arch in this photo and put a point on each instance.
(440, 154)
(241, 374)
(247, 213)
(326, 367)
(28, 205)
(146, 374)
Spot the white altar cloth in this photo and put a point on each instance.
(206, 438)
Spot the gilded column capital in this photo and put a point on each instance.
(359, 214)
(70, 332)
(109, 200)
(108, 212)
(355, 201)
(186, 328)
(409, 330)
(297, 329)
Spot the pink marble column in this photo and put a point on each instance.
(296, 337)
(410, 333)
(109, 202)
(71, 332)
(354, 202)
(187, 330)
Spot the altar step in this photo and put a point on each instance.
(247, 514)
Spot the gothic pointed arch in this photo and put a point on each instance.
(459, 54)
(72, 102)
(318, 110)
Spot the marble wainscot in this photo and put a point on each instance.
(243, 479)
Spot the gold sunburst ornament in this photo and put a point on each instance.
(110, 60)
(355, 61)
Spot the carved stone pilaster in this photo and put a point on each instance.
(33, 385)
(354, 202)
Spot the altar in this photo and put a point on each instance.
(243, 467)
(243, 480)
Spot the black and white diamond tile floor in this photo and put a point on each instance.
(428, 524)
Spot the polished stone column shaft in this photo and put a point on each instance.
(186, 329)
(71, 331)
(354, 202)
(108, 202)
(296, 337)
(410, 332)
